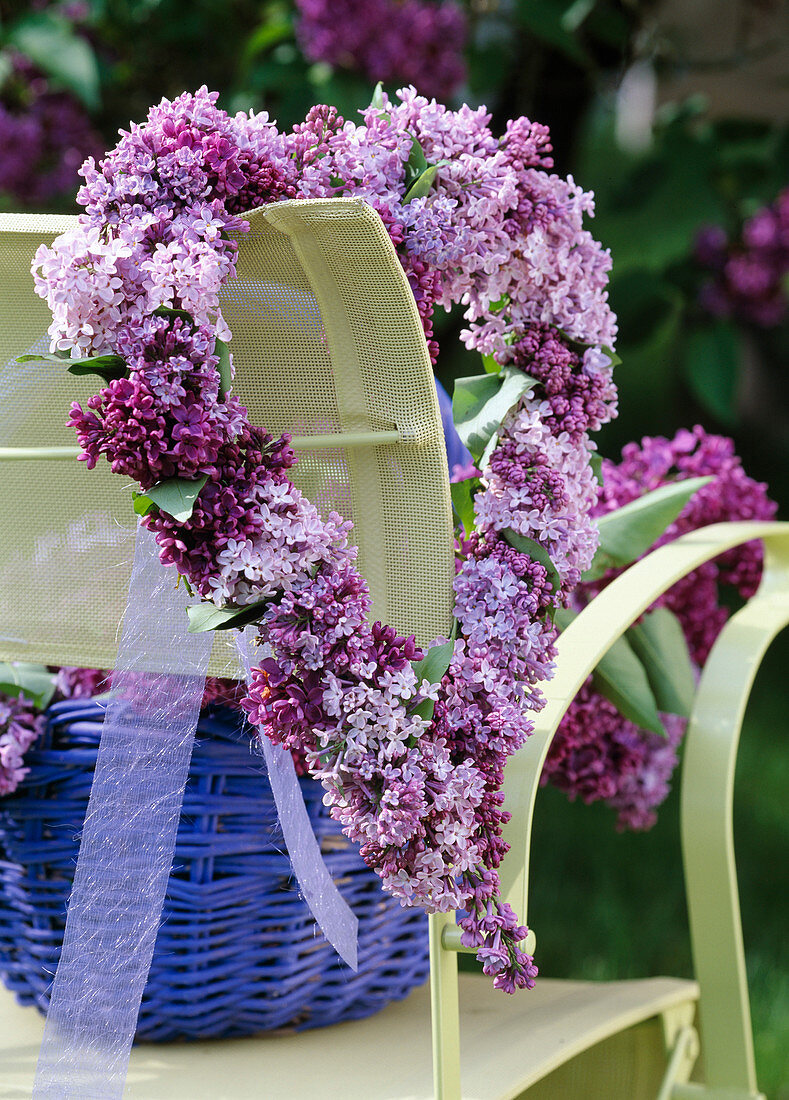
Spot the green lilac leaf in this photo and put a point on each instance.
(481, 402)
(424, 181)
(109, 373)
(622, 679)
(168, 311)
(615, 359)
(492, 444)
(630, 531)
(536, 552)
(425, 709)
(596, 462)
(432, 668)
(176, 496)
(225, 370)
(378, 96)
(435, 662)
(712, 358)
(545, 20)
(501, 304)
(143, 504)
(463, 501)
(108, 367)
(33, 681)
(659, 642)
(416, 163)
(267, 35)
(564, 616)
(206, 616)
(67, 58)
(490, 364)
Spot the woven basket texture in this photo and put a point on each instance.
(238, 951)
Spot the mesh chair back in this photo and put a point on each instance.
(326, 340)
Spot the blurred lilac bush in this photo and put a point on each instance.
(45, 135)
(415, 42)
(597, 754)
(749, 271)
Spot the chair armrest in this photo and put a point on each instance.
(710, 758)
(588, 638)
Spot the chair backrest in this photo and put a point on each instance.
(327, 345)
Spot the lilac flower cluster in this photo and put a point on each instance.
(495, 202)
(45, 135)
(81, 683)
(749, 273)
(166, 418)
(599, 755)
(389, 774)
(20, 726)
(580, 395)
(22, 723)
(596, 754)
(497, 231)
(410, 41)
(731, 496)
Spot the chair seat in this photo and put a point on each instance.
(508, 1043)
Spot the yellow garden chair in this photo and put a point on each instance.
(319, 287)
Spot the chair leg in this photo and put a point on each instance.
(444, 1011)
(681, 1063)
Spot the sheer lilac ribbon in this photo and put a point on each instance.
(331, 911)
(128, 842)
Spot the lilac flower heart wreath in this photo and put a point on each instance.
(410, 751)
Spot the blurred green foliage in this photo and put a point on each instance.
(677, 361)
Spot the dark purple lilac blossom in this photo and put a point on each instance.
(577, 384)
(596, 753)
(497, 231)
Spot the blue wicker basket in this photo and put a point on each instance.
(238, 951)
